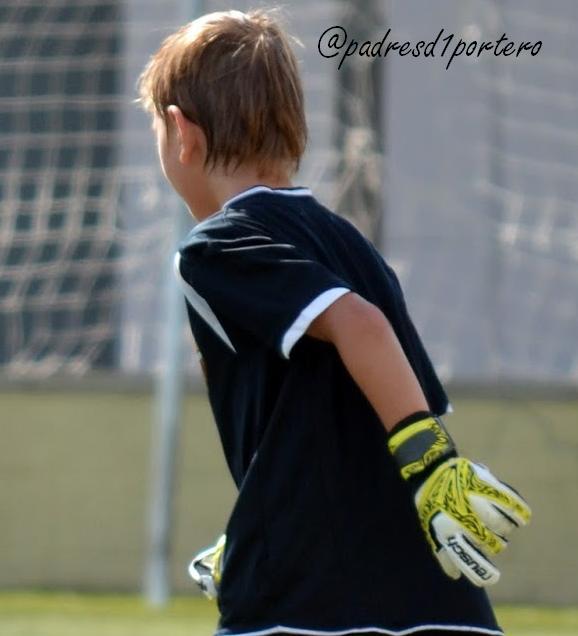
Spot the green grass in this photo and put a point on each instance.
(53, 614)
(538, 621)
(56, 614)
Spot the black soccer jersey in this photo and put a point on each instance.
(323, 537)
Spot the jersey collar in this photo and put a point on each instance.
(292, 191)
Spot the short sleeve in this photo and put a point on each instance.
(235, 272)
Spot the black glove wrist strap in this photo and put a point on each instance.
(419, 443)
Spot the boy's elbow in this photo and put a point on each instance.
(347, 314)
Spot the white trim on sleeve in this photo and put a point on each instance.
(308, 315)
(200, 305)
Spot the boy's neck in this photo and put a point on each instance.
(220, 188)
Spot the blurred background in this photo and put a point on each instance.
(466, 179)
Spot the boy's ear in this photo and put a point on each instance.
(190, 136)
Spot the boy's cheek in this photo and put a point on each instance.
(164, 158)
(169, 174)
(175, 174)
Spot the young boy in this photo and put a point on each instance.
(355, 512)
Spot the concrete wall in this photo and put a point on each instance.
(74, 475)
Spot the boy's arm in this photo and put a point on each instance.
(372, 354)
(465, 512)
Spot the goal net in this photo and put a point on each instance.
(481, 220)
(474, 204)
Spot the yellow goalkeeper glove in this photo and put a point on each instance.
(465, 512)
(206, 567)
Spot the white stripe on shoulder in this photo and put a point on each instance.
(308, 315)
(200, 305)
(360, 630)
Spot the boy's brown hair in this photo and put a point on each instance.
(235, 75)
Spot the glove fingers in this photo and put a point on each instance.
(447, 564)
(205, 568)
(218, 559)
(193, 572)
(201, 575)
(492, 517)
(483, 536)
(506, 498)
(471, 561)
(516, 507)
(443, 526)
(515, 520)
